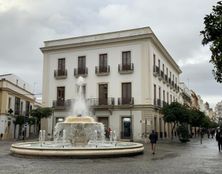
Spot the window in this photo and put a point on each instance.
(17, 105)
(167, 72)
(159, 63)
(103, 63)
(154, 60)
(168, 97)
(27, 108)
(9, 102)
(126, 93)
(163, 68)
(81, 64)
(61, 64)
(164, 95)
(126, 60)
(60, 96)
(154, 93)
(61, 67)
(21, 109)
(103, 94)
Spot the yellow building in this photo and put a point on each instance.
(16, 99)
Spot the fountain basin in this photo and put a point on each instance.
(49, 149)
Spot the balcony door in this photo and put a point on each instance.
(81, 64)
(126, 93)
(103, 63)
(61, 66)
(60, 96)
(103, 94)
(126, 60)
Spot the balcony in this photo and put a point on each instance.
(126, 68)
(126, 101)
(61, 104)
(161, 75)
(102, 102)
(164, 103)
(157, 103)
(80, 72)
(60, 74)
(102, 70)
(156, 71)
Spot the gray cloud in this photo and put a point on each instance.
(26, 24)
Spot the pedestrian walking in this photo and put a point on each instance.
(219, 139)
(153, 140)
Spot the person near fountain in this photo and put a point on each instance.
(153, 140)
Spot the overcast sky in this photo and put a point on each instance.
(25, 24)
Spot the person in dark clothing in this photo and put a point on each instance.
(153, 139)
(219, 139)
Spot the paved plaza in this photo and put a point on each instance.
(171, 158)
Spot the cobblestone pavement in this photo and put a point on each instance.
(171, 158)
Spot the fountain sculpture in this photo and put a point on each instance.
(78, 136)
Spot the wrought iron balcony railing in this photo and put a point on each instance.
(80, 72)
(102, 70)
(126, 68)
(60, 73)
(61, 104)
(126, 101)
(102, 101)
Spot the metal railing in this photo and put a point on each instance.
(126, 101)
(102, 70)
(110, 101)
(60, 73)
(81, 71)
(126, 67)
(61, 104)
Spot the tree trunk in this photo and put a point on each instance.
(172, 131)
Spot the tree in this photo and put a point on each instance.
(212, 34)
(40, 113)
(175, 113)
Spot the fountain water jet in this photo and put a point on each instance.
(78, 136)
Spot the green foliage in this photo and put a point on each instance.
(31, 121)
(175, 113)
(20, 120)
(40, 113)
(212, 34)
(183, 133)
(196, 117)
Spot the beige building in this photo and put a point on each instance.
(129, 76)
(16, 99)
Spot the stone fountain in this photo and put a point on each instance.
(78, 136)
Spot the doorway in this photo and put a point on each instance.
(126, 132)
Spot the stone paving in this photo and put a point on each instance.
(171, 158)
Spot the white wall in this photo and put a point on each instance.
(114, 79)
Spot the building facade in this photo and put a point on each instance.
(129, 76)
(218, 112)
(16, 99)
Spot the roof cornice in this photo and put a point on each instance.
(107, 38)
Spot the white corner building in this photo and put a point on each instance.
(129, 76)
